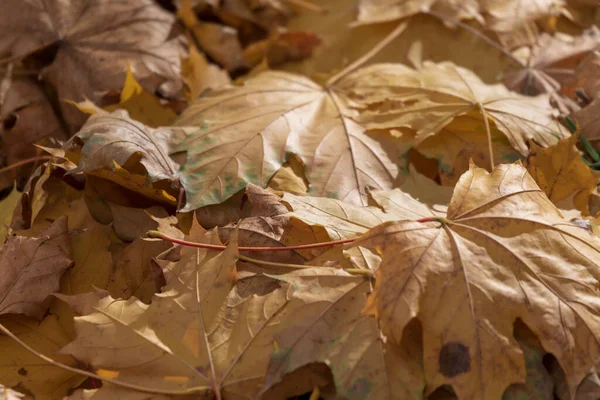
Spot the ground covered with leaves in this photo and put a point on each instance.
(284, 199)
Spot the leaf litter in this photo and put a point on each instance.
(236, 220)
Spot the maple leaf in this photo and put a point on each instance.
(324, 323)
(198, 74)
(197, 336)
(371, 11)
(502, 253)
(93, 41)
(113, 147)
(433, 96)
(20, 367)
(244, 133)
(31, 269)
(562, 174)
(551, 62)
(585, 77)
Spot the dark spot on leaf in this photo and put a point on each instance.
(22, 371)
(9, 122)
(454, 359)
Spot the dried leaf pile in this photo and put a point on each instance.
(286, 199)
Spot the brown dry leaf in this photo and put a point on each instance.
(93, 42)
(290, 177)
(7, 207)
(280, 47)
(197, 335)
(220, 42)
(562, 175)
(27, 117)
(462, 140)
(506, 16)
(372, 11)
(254, 125)
(142, 105)
(551, 62)
(323, 323)
(585, 77)
(429, 99)
(199, 75)
(31, 269)
(20, 367)
(114, 137)
(503, 253)
(132, 274)
(425, 36)
(588, 119)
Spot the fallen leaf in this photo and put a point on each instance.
(462, 140)
(195, 336)
(280, 47)
(588, 120)
(502, 252)
(220, 42)
(562, 175)
(132, 274)
(434, 96)
(142, 105)
(551, 62)
(31, 269)
(372, 11)
(110, 138)
(324, 323)
(585, 77)
(20, 367)
(272, 113)
(93, 42)
(7, 207)
(200, 75)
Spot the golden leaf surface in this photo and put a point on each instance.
(502, 253)
(198, 336)
(562, 175)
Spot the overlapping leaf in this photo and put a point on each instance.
(93, 41)
(502, 253)
(31, 269)
(245, 132)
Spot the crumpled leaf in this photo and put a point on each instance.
(115, 137)
(244, 133)
(94, 41)
(562, 175)
(502, 252)
(31, 269)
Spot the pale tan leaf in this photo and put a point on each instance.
(502, 253)
(244, 132)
